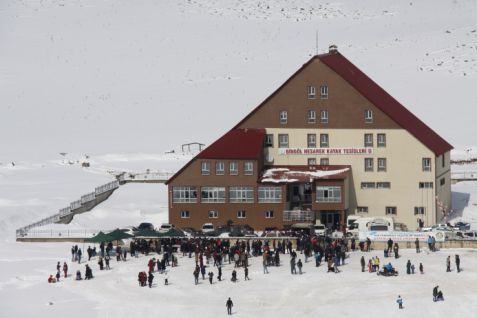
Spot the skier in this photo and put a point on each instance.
(229, 304)
(399, 301)
(457, 263)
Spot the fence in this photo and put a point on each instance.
(464, 175)
(88, 197)
(61, 233)
(106, 187)
(298, 216)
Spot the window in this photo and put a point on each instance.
(443, 181)
(324, 116)
(383, 185)
(426, 164)
(213, 214)
(185, 214)
(311, 116)
(269, 195)
(419, 210)
(381, 140)
(426, 185)
(324, 141)
(205, 168)
(219, 168)
(328, 194)
(362, 209)
(311, 161)
(248, 168)
(311, 92)
(368, 140)
(368, 164)
(241, 214)
(283, 117)
(381, 164)
(184, 194)
(324, 161)
(391, 210)
(283, 141)
(269, 214)
(233, 168)
(212, 195)
(241, 194)
(368, 185)
(269, 140)
(324, 92)
(311, 140)
(368, 116)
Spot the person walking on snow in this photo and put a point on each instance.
(448, 264)
(300, 265)
(421, 268)
(229, 304)
(457, 263)
(211, 277)
(363, 264)
(416, 242)
(399, 301)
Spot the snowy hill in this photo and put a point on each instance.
(118, 76)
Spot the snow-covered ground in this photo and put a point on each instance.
(122, 82)
(24, 290)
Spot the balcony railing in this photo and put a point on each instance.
(298, 216)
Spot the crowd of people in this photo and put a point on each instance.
(211, 255)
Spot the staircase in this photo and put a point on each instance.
(86, 203)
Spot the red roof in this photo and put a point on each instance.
(240, 144)
(292, 174)
(375, 94)
(385, 102)
(236, 144)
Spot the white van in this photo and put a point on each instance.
(320, 229)
(165, 227)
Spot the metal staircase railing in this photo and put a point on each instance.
(55, 218)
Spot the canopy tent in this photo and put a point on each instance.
(119, 235)
(100, 237)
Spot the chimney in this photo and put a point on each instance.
(333, 48)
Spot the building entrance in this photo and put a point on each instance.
(331, 219)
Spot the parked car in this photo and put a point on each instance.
(320, 229)
(145, 226)
(165, 227)
(467, 235)
(462, 226)
(208, 228)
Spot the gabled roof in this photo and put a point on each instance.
(385, 102)
(376, 95)
(239, 144)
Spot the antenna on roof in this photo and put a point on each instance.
(316, 41)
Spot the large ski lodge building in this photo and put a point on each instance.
(328, 143)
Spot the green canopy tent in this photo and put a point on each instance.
(173, 233)
(117, 235)
(147, 233)
(100, 237)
